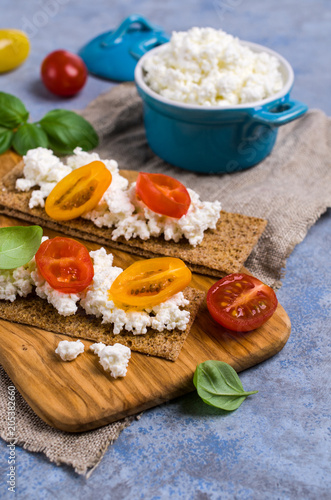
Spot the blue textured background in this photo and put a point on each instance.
(277, 444)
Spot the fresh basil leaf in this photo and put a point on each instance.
(18, 244)
(218, 384)
(66, 130)
(6, 137)
(29, 136)
(12, 111)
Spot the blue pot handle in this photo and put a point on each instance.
(125, 26)
(282, 113)
(138, 50)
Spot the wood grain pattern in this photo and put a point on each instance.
(77, 396)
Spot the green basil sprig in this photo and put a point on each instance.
(218, 384)
(18, 244)
(29, 136)
(6, 139)
(65, 130)
(12, 111)
(60, 130)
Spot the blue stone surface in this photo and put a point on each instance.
(277, 444)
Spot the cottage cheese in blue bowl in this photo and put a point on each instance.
(212, 103)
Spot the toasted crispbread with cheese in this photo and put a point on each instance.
(222, 251)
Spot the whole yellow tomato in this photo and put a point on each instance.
(14, 49)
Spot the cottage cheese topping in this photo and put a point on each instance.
(15, 282)
(136, 220)
(209, 67)
(119, 207)
(165, 316)
(69, 350)
(44, 170)
(64, 303)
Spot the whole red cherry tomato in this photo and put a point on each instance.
(240, 302)
(63, 73)
(65, 264)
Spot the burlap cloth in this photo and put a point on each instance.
(291, 189)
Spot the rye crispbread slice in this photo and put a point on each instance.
(222, 251)
(34, 311)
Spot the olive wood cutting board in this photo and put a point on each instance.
(79, 395)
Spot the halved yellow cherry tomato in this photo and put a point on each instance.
(147, 283)
(78, 192)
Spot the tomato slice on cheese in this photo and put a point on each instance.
(65, 264)
(78, 192)
(240, 302)
(163, 194)
(147, 283)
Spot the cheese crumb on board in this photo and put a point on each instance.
(113, 358)
(69, 350)
(97, 347)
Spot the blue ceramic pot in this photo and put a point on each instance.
(213, 139)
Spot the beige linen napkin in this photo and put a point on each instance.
(291, 189)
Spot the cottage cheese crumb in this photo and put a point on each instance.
(112, 358)
(209, 67)
(68, 350)
(115, 359)
(97, 348)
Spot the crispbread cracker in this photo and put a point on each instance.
(34, 311)
(222, 251)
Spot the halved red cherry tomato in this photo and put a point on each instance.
(147, 283)
(65, 264)
(240, 302)
(78, 192)
(163, 194)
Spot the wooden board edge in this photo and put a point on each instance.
(73, 426)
